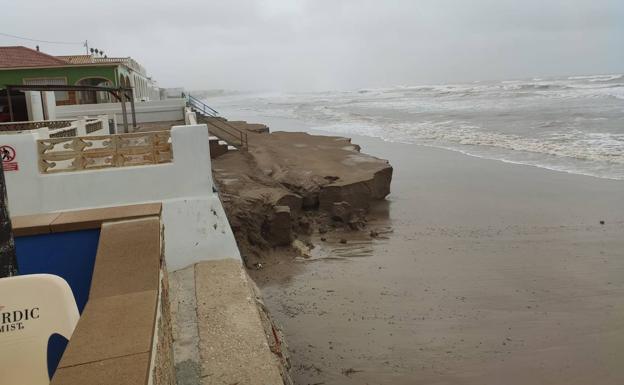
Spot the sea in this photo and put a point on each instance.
(572, 124)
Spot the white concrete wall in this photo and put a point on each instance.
(190, 117)
(146, 112)
(78, 124)
(50, 104)
(196, 227)
(154, 92)
(173, 93)
(34, 105)
(39, 101)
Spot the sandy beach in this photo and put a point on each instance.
(312, 192)
(483, 272)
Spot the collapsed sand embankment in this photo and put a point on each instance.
(289, 185)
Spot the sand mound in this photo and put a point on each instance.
(288, 184)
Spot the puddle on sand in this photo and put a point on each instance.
(357, 244)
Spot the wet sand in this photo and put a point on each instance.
(483, 273)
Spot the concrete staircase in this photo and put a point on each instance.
(220, 128)
(218, 147)
(228, 135)
(224, 135)
(217, 126)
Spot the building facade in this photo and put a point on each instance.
(22, 65)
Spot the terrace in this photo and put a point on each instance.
(133, 222)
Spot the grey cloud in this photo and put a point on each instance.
(321, 44)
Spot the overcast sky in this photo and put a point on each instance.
(332, 44)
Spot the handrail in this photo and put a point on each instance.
(241, 137)
(198, 104)
(209, 112)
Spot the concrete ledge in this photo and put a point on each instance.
(93, 218)
(219, 335)
(184, 326)
(128, 258)
(80, 219)
(233, 347)
(118, 371)
(124, 333)
(162, 371)
(36, 224)
(113, 327)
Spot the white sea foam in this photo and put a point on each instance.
(573, 124)
(597, 78)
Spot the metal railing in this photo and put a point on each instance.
(218, 126)
(230, 134)
(200, 106)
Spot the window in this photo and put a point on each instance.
(59, 95)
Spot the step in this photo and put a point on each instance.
(217, 149)
(222, 131)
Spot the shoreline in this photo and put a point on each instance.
(482, 270)
(294, 125)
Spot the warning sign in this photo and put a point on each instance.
(10, 166)
(7, 153)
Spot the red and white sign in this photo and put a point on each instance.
(10, 166)
(8, 154)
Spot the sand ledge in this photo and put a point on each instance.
(291, 184)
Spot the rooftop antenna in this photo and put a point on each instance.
(86, 44)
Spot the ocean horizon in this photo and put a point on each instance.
(572, 124)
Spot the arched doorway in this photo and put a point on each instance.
(124, 81)
(94, 97)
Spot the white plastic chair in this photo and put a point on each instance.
(32, 308)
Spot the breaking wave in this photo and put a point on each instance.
(573, 124)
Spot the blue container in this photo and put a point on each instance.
(70, 255)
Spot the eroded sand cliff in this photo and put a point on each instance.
(289, 185)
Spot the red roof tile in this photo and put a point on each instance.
(14, 57)
(77, 59)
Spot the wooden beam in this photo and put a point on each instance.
(134, 124)
(123, 109)
(8, 90)
(8, 259)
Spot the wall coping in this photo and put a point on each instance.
(121, 318)
(80, 219)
